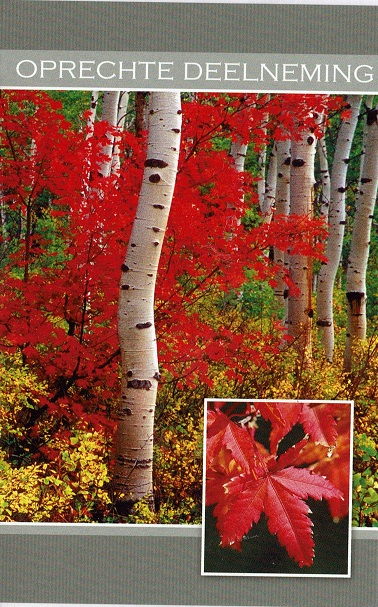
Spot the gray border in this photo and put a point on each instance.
(188, 27)
(134, 565)
(161, 570)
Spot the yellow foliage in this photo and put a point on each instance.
(63, 490)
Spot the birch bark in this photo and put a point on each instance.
(300, 269)
(110, 115)
(360, 243)
(336, 220)
(282, 208)
(123, 102)
(140, 370)
(269, 199)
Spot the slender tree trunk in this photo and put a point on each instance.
(325, 196)
(140, 113)
(336, 220)
(360, 244)
(140, 371)
(269, 198)
(300, 267)
(238, 151)
(123, 102)
(110, 115)
(282, 208)
(92, 114)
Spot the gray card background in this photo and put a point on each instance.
(65, 564)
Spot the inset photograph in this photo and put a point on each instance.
(277, 488)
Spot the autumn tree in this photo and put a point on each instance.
(336, 219)
(359, 251)
(136, 326)
(300, 311)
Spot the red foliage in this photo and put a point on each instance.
(67, 232)
(244, 479)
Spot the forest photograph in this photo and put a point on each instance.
(269, 465)
(162, 248)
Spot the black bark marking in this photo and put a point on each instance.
(287, 161)
(298, 162)
(133, 245)
(127, 411)
(155, 178)
(179, 112)
(371, 116)
(310, 313)
(143, 325)
(158, 206)
(280, 175)
(155, 163)
(355, 299)
(366, 180)
(125, 268)
(157, 376)
(346, 160)
(324, 323)
(176, 130)
(150, 275)
(342, 190)
(156, 229)
(156, 243)
(286, 293)
(310, 140)
(139, 384)
(125, 287)
(129, 374)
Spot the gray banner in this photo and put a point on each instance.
(188, 71)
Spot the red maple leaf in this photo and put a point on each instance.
(272, 486)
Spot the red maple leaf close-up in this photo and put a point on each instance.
(244, 480)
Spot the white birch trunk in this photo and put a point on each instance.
(238, 151)
(140, 370)
(336, 220)
(282, 208)
(92, 114)
(110, 115)
(325, 197)
(300, 267)
(123, 102)
(360, 243)
(269, 199)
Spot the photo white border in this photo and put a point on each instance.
(350, 496)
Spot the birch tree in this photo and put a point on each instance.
(140, 370)
(110, 115)
(92, 113)
(282, 208)
(325, 195)
(269, 198)
(360, 243)
(336, 220)
(300, 270)
(123, 102)
(238, 151)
